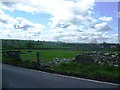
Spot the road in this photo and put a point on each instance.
(18, 77)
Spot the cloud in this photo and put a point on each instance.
(7, 6)
(1, 11)
(19, 28)
(86, 36)
(6, 18)
(62, 11)
(113, 38)
(107, 19)
(21, 23)
(103, 27)
(75, 28)
(71, 13)
(70, 21)
(94, 41)
(6, 21)
(3, 21)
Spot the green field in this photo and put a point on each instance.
(48, 55)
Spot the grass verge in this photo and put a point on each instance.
(92, 71)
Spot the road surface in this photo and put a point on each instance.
(17, 77)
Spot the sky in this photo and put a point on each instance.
(73, 21)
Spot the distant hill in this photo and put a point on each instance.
(30, 44)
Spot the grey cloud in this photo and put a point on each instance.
(83, 38)
(62, 25)
(37, 34)
(19, 26)
(76, 21)
(75, 11)
(78, 12)
(4, 21)
(8, 4)
(103, 27)
(25, 27)
(73, 21)
(94, 40)
(9, 35)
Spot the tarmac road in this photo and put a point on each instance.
(18, 77)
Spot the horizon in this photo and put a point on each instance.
(76, 21)
(58, 41)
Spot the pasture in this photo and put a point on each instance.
(47, 55)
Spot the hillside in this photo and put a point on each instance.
(30, 44)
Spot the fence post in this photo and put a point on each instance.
(17, 55)
(38, 58)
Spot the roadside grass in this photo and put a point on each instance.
(9, 60)
(93, 71)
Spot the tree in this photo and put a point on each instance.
(30, 44)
